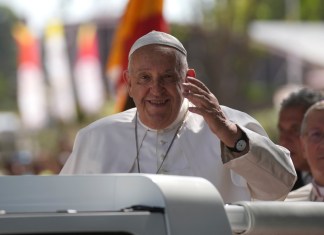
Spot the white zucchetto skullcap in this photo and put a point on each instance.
(156, 37)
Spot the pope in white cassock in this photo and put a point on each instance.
(179, 128)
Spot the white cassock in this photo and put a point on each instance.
(309, 192)
(108, 145)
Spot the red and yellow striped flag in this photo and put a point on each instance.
(87, 71)
(31, 87)
(140, 17)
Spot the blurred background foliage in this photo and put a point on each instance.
(8, 64)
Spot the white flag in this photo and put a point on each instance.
(31, 89)
(87, 72)
(62, 102)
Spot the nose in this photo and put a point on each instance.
(320, 140)
(157, 87)
(288, 139)
(285, 139)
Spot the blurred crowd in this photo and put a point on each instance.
(44, 162)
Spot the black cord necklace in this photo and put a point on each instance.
(139, 147)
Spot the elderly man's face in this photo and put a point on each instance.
(155, 84)
(313, 144)
(289, 123)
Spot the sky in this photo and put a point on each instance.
(38, 12)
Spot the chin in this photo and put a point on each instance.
(159, 123)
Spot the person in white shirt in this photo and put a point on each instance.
(312, 144)
(179, 128)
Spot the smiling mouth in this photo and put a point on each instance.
(157, 102)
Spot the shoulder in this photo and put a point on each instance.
(301, 194)
(112, 121)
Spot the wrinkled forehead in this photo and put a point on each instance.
(314, 120)
(316, 114)
(151, 57)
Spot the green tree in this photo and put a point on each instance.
(8, 65)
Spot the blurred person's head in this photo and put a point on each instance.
(291, 114)
(21, 163)
(312, 140)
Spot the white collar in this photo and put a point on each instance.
(319, 189)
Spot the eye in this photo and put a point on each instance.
(315, 135)
(169, 78)
(143, 79)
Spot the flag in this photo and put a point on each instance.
(87, 72)
(62, 101)
(140, 17)
(31, 88)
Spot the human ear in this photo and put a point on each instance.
(127, 80)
